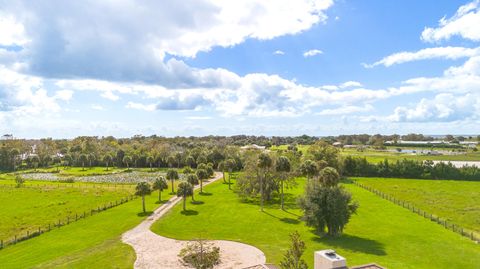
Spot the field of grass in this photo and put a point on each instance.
(29, 208)
(93, 242)
(376, 156)
(381, 232)
(453, 200)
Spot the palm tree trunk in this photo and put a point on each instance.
(173, 190)
(143, 203)
(159, 196)
(229, 176)
(184, 202)
(150, 167)
(281, 197)
(261, 193)
(193, 198)
(201, 185)
(224, 181)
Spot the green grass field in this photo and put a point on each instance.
(376, 156)
(381, 232)
(453, 200)
(29, 208)
(93, 242)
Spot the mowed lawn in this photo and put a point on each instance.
(381, 232)
(29, 208)
(453, 200)
(93, 242)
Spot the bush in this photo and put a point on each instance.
(200, 255)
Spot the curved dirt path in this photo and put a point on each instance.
(155, 251)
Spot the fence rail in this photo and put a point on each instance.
(441, 221)
(64, 221)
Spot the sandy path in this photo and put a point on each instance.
(155, 251)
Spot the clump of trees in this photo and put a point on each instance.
(326, 205)
(405, 168)
(200, 255)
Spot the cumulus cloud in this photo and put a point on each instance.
(344, 110)
(451, 53)
(131, 38)
(445, 107)
(12, 32)
(311, 53)
(149, 107)
(464, 23)
(278, 52)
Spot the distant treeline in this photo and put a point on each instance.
(354, 166)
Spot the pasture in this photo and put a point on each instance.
(381, 232)
(453, 200)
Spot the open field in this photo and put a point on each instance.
(381, 232)
(32, 207)
(376, 156)
(456, 201)
(93, 242)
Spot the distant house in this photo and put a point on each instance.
(337, 144)
(253, 146)
(7, 137)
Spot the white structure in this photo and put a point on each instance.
(328, 259)
(253, 146)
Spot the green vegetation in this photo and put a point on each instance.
(456, 201)
(381, 232)
(30, 208)
(93, 242)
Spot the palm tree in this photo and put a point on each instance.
(282, 167)
(142, 189)
(160, 184)
(230, 165)
(35, 160)
(46, 160)
(221, 166)
(201, 159)
(192, 179)
(264, 162)
(91, 158)
(172, 175)
(178, 158)
(14, 153)
(309, 169)
(127, 160)
(329, 177)
(150, 161)
(185, 189)
(190, 161)
(56, 161)
(83, 158)
(201, 174)
(107, 159)
(135, 159)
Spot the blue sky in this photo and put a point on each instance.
(316, 67)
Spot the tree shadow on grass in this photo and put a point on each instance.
(161, 202)
(197, 202)
(205, 193)
(189, 212)
(143, 214)
(290, 220)
(353, 243)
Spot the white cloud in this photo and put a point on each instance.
(64, 95)
(278, 52)
(312, 52)
(198, 118)
(445, 107)
(349, 84)
(129, 44)
(451, 53)
(97, 107)
(12, 33)
(344, 110)
(464, 23)
(149, 107)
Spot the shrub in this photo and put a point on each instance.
(200, 255)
